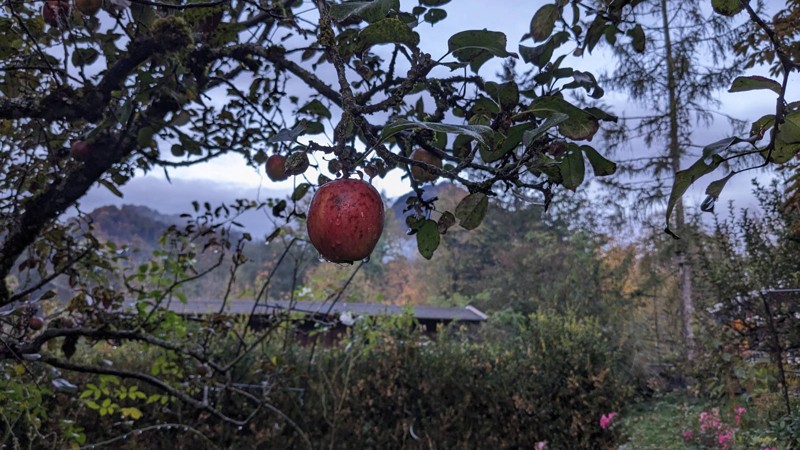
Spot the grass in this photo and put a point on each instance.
(659, 424)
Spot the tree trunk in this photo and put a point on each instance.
(684, 268)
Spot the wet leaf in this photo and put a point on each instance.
(427, 238)
(742, 84)
(387, 31)
(543, 22)
(471, 210)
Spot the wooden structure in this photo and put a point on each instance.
(331, 321)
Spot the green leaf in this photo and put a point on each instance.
(787, 142)
(685, 178)
(462, 146)
(427, 238)
(727, 7)
(84, 56)
(471, 210)
(638, 39)
(741, 84)
(435, 15)
(579, 126)
(500, 147)
(540, 55)
(300, 191)
(713, 191)
(760, 126)
(132, 412)
(315, 108)
(595, 32)
(600, 165)
(543, 22)
(371, 11)
(143, 14)
(446, 221)
(720, 146)
(783, 151)
(789, 131)
(287, 134)
(478, 46)
(433, 2)
(387, 31)
(551, 121)
(110, 186)
(145, 137)
(505, 94)
(572, 168)
(480, 133)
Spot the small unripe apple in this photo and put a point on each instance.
(425, 156)
(345, 220)
(88, 7)
(276, 167)
(55, 12)
(201, 370)
(36, 323)
(81, 150)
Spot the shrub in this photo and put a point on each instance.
(549, 379)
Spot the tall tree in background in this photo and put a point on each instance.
(674, 77)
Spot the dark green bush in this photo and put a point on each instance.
(539, 379)
(513, 382)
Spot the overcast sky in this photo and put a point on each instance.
(227, 178)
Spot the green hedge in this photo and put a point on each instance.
(516, 381)
(523, 381)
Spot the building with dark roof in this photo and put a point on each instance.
(334, 317)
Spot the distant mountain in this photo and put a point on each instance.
(448, 195)
(134, 225)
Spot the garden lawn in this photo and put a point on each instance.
(660, 423)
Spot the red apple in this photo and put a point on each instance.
(88, 7)
(276, 167)
(81, 150)
(345, 220)
(425, 156)
(36, 323)
(56, 12)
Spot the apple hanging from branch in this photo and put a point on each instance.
(420, 174)
(56, 12)
(276, 168)
(88, 7)
(345, 220)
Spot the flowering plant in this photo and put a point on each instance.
(607, 419)
(713, 432)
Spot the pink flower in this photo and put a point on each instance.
(725, 440)
(688, 435)
(541, 445)
(738, 418)
(607, 419)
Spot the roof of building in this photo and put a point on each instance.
(245, 307)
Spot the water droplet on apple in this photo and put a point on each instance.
(365, 260)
